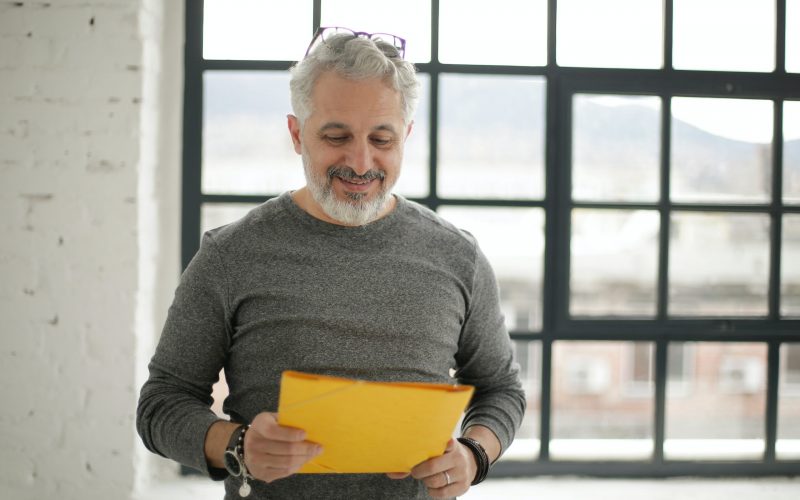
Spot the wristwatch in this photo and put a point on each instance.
(234, 459)
(234, 453)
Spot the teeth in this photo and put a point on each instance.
(354, 182)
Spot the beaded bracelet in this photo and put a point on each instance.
(481, 458)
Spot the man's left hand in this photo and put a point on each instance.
(448, 475)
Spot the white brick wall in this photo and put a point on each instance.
(89, 197)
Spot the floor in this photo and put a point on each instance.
(560, 488)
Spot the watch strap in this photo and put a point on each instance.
(236, 436)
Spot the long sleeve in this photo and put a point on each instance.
(485, 360)
(174, 413)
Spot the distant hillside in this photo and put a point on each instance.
(502, 120)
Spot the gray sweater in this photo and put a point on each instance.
(406, 298)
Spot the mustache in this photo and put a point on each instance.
(349, 174)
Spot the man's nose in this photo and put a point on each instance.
(359, 157)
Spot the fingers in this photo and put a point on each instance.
(447, 475)
(273, 451)
(446, 484)
(266, 424)
(438, 464)
(398, 475)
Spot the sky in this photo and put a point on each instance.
(514, 32)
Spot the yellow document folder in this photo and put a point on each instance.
(370, 426)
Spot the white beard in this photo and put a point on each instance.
(351, 212)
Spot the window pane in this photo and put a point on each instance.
(526, 442)
(719, 414)
(721, 150)
(791, 151)
(718, 264)
(610, 34)
(793, 36)
(213, 215)
(411, 20)
(740, 38)
(680, 364)
(508, 32)
(246, 145)
(613, 262)
(513, 241)
(616, 148)
(601, 409)
(491, 133)
(790, 266)
(236, 29)
(414, 180)
(787, 446)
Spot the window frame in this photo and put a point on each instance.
(562, 83)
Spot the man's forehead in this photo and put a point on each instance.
(366, 103)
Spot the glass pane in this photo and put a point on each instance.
(246, 145)
(740, 38)
(718, 264)
(613, 262)
(616, 148)
(791, 151)
(213, 215)
(680, 363)
(414, 179)
(235, 29)
(602, 402)
(526, 442)
(411, 20)
(787, 447)
(719, 412)
(511, 32)
(721, 150)
(790, 266)
(793, 36)
(513, 241)
(610, 34)
(491, 132)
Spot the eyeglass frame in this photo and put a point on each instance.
(401, 50)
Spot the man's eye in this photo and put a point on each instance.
(380, 141)
(336, 139)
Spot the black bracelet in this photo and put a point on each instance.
(481, 458)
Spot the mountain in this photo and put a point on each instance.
(501, 119)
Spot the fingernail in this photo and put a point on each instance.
(319, 450)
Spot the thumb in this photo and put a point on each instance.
(263, 421)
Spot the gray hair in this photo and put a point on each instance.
(353, 58)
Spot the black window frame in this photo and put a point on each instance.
(562, 83)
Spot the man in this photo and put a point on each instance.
(339, 278)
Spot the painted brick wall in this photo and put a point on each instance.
(81, 243)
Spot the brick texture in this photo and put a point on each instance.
(80, 149)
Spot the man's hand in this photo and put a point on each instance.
(273, 451)
(457, 462)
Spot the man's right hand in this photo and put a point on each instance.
(273, 451)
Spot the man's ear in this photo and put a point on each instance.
(294, 130)
(409, 128)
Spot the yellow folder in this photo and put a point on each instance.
(370, 426)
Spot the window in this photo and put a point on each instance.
(631, 170)
(722, 417)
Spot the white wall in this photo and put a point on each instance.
(90, 103)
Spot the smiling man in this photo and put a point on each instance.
(352, 148)
(340, 277)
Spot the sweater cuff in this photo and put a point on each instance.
(193, 438)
